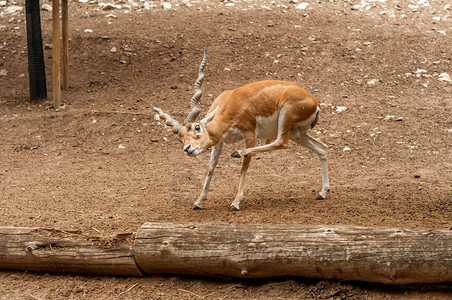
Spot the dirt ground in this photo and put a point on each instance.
(104, 165)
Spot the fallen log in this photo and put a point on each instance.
(387, 256)
(49, 250)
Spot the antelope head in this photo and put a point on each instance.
(194, 135)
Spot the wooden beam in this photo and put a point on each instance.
(65, 17)
(36, 66)
(56, 54)
(388, 256)
(49, 250)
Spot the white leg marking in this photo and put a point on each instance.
(304, 139)
(235, 205)
(214, 157)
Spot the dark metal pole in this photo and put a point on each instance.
(36, 67)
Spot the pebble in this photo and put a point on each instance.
(166, 5)
(340, 109)
(444, 77)
(13, 9)
(372, 82)
(46, 7)
(107, 6)
(302, 5)
(3, 72)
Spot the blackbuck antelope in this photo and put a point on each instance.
(276, 111)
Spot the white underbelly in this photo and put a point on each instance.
(267, 127)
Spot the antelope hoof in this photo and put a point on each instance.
(236, 155)
(233, 208)
(196, 207)
(320, 197)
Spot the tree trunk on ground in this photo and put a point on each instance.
(49, 250)
(388, 256)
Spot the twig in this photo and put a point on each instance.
(128, 290)
(96, 230)
(68, 232)
(226, 291)
(191, 293)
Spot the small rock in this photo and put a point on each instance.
(2, 3)
(107, 6)
(444, 77)
(417, 176)
(121, 147)
(302, 5)
(113, 50)
(3, 72)
(166, 5)
(62, 107)
(372, 82)
(186, 3)
(347, 149)
(46, 7)
(13, 9)
(89, 30)
(340, 109)
(399, 119)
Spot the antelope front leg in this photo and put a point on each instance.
(235, 205)
(214, 157)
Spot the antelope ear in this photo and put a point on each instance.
(209, 118)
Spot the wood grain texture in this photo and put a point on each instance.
(56, 53)
(49, 250)
(388, 256)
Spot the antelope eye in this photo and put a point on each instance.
(197, 127)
